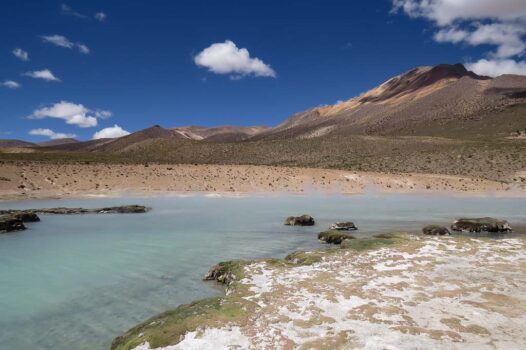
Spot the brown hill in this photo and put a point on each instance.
(8, 143)
(220, 133)
(415, 102)
(137, 139)
(441, 119)
(58, 142)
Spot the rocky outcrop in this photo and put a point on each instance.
(13, 219)
(10, 223)
(435, 230)
(486, 224)
(343, 226)
(124, 209)
(226, 272)
(26, 216)
(334, 236)
(304, 220)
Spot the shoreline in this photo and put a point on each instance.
(54, 181)
(263, 294)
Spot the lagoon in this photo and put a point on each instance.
(76, 282)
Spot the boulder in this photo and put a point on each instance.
(304, 220)
(334, 236)
(486, 224)
(435, 230)
(25, 216)
(9, 223)
(343, 226)
(226, 272)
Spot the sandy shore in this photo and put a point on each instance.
(43, 180)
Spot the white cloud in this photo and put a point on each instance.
(496, 67)
(62, 41)
(227, 58)
(58, 40)
(44, 74)
(21, 54)
(71, 113)
(51, 134)
(451, 35)
(102, 114)
(445, 12)
(100, 16)
(83, 48)
(499, 23)
(506, 36)
(110, 133)
(68, 11)
(10, 84)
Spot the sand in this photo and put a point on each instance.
(48, 180)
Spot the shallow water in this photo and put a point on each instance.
(75, 282)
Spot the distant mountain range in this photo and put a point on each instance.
(445, 100)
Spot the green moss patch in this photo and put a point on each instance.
(169, 327)
(334, 236)
(304, 258)
(375, 242)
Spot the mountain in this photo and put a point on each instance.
(58, 142)
(438, 120)
(8, 143)
(415, 102)
(220, 133)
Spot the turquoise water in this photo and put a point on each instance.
(75, 282)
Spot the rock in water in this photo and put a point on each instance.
(481, 225)
(333, 236)
(343, 226)
(9, 223)
(26, 216)
(304, 220)
(435, 230)
(125, 209)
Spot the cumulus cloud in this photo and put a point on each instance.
(506, 36)
(110, 133)
(44, 74)
(21, 54)
(10, 84)
(494, 68)
(100, 16)
(51, 134)
(62, 41)
(71, 113)
(227, 58)
(477, 22)
(445, 12)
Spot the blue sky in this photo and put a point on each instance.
(139, 60)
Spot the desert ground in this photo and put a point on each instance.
(21, 180)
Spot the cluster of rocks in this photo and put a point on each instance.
(13, 219)
(486, 224)
(334, 236)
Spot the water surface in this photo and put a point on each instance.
(75, 282)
